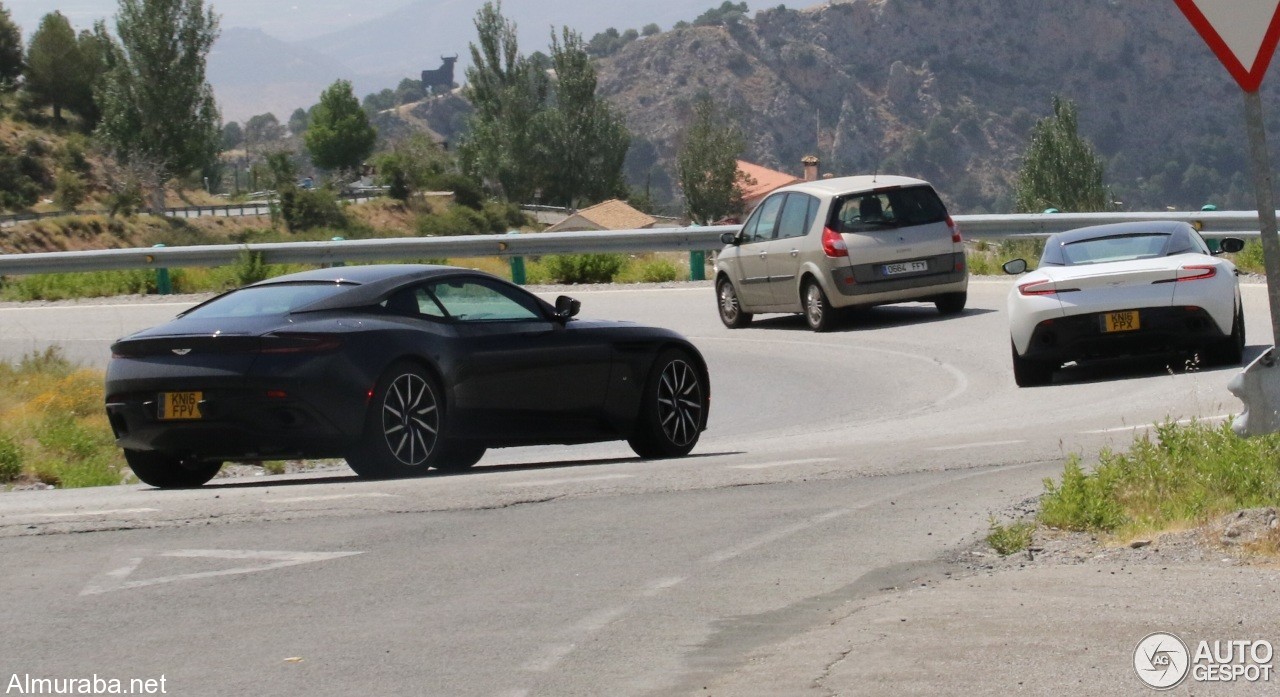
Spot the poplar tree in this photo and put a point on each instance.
(583, 142)
(707, 165)
(158, 110)
(1061, 169)
(10, 51)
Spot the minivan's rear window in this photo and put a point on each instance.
(887, 208)
(273, 299)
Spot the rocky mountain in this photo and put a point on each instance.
(949, 90)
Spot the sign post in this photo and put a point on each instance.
(1243, 34)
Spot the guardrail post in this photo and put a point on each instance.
(338, 238)
(517, 271)
(164, 285)
(697, 265)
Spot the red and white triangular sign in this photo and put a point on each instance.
(1242, 33)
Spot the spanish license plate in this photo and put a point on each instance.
(1121, 321)
(175, 406)
(905, 267)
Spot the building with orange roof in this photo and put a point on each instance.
(613, 214)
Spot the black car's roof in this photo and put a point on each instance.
(368, 284)
(1158, 227)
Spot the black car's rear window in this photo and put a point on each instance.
(262, 301)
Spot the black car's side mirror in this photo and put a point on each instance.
(567, 308)
(729, 238)
(1230, 245)
(1015, 267)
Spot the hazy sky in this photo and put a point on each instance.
(284, 19)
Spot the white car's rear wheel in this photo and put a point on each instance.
(1029, 372)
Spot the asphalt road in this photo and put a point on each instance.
(838, 469)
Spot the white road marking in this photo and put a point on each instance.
(786, 463)
(77, 514)
(1180, 422)
(114, 579)
(334, 497)
(550, 656)
(661, 585)
(992, 443)
(572, 480)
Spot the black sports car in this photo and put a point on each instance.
(397, 369)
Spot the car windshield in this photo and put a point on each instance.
(273, 299)
(1145, 245)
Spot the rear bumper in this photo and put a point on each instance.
(234, 425)
(1162, 330)
(866, 284)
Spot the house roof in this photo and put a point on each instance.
(610, 215)
(762, 180)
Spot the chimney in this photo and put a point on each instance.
(810, 163)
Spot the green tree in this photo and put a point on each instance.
(157, 107)
(707, 165)
(412, 164)
(298, 121)
(54, 67)
(583, 142)
(232, 136)
(1061, 169)
(262, 129)
(93, 48)
(10, 51)
(507, 92)
(339, 136)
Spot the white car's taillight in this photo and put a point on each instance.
(956, 238)
(1043, 288)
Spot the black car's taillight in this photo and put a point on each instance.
(299, 343)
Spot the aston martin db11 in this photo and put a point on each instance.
(398, 369)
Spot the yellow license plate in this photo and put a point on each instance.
(1121, 321)
(180, 405)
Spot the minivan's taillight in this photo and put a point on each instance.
(833, 245)
(955, 230)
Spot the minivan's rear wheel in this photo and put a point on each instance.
(673, 408)
(730, 308)
(1028, 372)
(165, 471)
(952, 303)
(402, 432)
(817, 309)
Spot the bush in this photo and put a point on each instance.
(89, 284)
(1008, 539)
(69, 190)
(306, 209)
(503, 216)
(583, 268)
(10, 458)
(465, 192)
(457, 220)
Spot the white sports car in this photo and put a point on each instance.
(1124, 289)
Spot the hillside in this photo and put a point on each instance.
(949, 90)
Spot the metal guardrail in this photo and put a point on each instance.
(229, 210)
(691, 239)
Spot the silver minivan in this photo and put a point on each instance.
(818, 246)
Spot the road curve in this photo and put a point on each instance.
(837, 467)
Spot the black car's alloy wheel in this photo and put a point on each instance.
(166, 471)
(403, 429)
(673, 410)
(731, 313)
